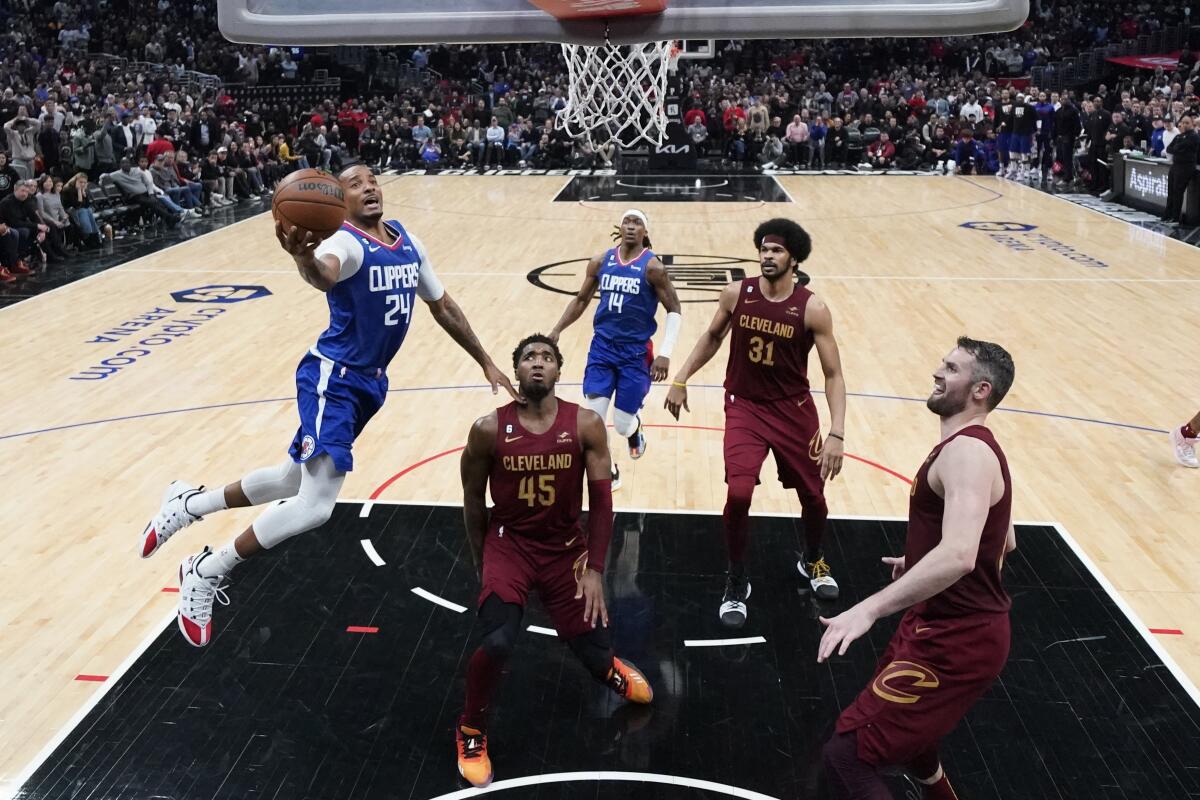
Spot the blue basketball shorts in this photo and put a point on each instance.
(335, 403)
(620, 369)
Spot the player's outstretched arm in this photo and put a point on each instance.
(819, 320)
(475, 465)
(657, 275)
(967, 469)
(321, 273)
(581, 300)
(706, 347)
(454, 322)
(598, 466)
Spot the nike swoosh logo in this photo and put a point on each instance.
(372, 249)
(748, 302)
(921, 630)
(568, 544)
(513, 438)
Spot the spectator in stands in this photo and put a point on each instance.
(143, 171)
(797, 138)
(161, 145)
(697, 131)
(245, 159)
(431, 153)
(22, 141)
(102, 147)
(166, 181)
(967, 156)
(838, 145)
(495, 144)
(8, 176)
(881, 154)
(939, 149)
(11, 264)
(971, 110)
(1156, 146)
(52, 214)
(77, 203)
(135, 189)
(127, 139)
(286, 157)
(18, 216)
(772, 152)
(817, 132)
(49, 145)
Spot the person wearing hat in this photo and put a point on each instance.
(621, 361)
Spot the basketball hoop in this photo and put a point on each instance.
(616, 92)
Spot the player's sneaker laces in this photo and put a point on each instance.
(637, 443)
(616, 477)
(1185, 450)
(196, 596)
(473, 762)
(817, 575)
(626, 681)
(171, 518)
(733, 604)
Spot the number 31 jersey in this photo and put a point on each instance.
(371, 306)
(768, 345)
(628, 300)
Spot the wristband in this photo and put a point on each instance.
(680, 385)
(837, 436)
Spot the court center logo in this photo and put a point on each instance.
(697, 278)
(220, 293)
(999, 227)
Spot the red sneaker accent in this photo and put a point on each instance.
(149, 539)
(6, 276)
(20, 269)
(196, 636)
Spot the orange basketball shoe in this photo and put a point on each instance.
(473, 762)
(627, 682)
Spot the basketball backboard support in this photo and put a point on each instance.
(345, 22)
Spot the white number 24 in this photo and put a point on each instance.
(398, 304)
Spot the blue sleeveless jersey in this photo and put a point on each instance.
(369, 312)
(627, 300)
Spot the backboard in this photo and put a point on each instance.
(333, 22)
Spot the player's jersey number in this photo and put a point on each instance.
(616, 301)
(537, 490)
(398, 305)
(762, 352)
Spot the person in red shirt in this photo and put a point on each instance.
(953, 639)
(160, 146)
(730, 116)
(774, 323)
(535, 455)
(696, 113)
(882, 153)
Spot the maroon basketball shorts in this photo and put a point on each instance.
(514, 564)
(931, 674)
(789, 428)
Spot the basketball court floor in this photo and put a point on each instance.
(337, 671)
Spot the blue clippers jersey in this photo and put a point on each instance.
(627, 300)
(369, 312)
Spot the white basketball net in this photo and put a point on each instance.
(616, 92)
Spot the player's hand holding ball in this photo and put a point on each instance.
(309, 206)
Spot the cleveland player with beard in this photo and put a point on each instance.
(953, 639)
(534, 456)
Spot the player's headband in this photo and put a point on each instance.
(633, 212)
(774, 238)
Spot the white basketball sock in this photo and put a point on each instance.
(624, 423)
(204, 503)
(219, 563)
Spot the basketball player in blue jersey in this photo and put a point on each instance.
(621, 361)
(371, 271)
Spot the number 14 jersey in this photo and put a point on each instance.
(768, 345)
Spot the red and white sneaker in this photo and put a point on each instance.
(1185, 449)
(196, 596)
(171, 518)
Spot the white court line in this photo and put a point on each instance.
(542, 631)
(1140, 626)
(372, 553)
(98, 695)
(779, 183)
(441, 601)
(365, 511)
(636, 777)
(723, 642)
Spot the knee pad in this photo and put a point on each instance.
(500, 623)
(624, 423)
(599, 405)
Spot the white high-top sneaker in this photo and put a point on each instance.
(171, 518)
(196, 596)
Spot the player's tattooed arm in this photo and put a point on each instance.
(454, 322)
(321, 273)
(819, 320)
(474, 467)
(706, 347)
(581, 300)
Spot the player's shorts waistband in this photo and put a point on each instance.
(340, 368)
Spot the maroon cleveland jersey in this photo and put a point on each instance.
(768, 348)
(537, 478)
(980, 591)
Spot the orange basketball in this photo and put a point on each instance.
(310, 199)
